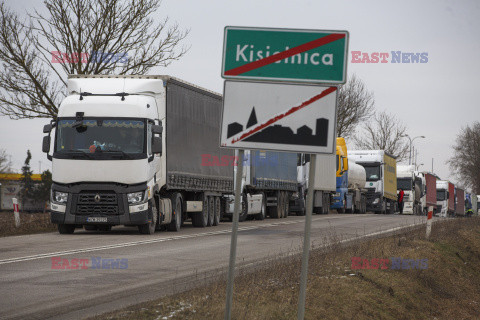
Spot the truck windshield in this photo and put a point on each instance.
(404, 183)
(441, 195)
(101, 138)
(373, 173)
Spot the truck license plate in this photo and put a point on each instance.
(97, 219)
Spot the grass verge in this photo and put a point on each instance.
(30, 223)
(448, 289)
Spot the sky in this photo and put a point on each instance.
(434, 99)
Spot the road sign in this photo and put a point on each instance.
(277, 116)
(297, 55)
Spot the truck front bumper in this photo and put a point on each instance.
(112, 207)
(372, 203)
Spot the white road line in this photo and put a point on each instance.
(136, 243)
(141, 242)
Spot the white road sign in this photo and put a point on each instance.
(275, 116)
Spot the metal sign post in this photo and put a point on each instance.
(306, 240)
(233, 243)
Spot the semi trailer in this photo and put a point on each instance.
(129, 150)
(381, 176)
(324, 184)
(459, 202)
(269, 178)
(430, 196)
(445, 198)
(350, 193)
(412, 185)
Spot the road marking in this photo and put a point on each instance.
(141, 242)
(204, 234)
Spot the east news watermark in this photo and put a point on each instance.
(59, 263)
(393, 57)
(394, 263)
(85, 57)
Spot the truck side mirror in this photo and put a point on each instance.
(157, 145)
(157, 129)
(47, 128)
(46, 144)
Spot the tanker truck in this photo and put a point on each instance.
(381, 185)
(350, 193)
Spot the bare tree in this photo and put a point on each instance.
(5, 163)
(465, 162)
(384, 132)
(78, 37)
(355, 105)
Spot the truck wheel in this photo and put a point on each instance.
(211, 211)
(244, 212)
(177, 212)
(149, 228)
(344, 208)
(279, 208)
(326, 207)
(66, 228)
(263, 210)
(383, 208)
(217, 211)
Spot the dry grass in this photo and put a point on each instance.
(29, 223)
(448, 289)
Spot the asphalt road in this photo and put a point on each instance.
(162, 264)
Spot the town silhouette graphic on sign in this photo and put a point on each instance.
(283, 135)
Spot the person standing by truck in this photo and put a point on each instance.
(400, 200)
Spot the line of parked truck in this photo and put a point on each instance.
(144, 151)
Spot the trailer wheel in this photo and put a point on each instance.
(326, 201)
(217, 211)
(344, 208)
(244, 212)
(200, 219)
(149, 228)
(176, 223)
(263, 210)
(286, 204)
(66, 228)
(211, 211)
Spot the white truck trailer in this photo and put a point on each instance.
(129, 150)
(324, 184)
(410, 181)
(381, 185)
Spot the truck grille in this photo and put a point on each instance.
(97, 203)
(370, 195)
(93, 209)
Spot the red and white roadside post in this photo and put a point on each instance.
(16, 212)
(429, 221)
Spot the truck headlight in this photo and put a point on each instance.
(376, 200)
(60, 197)
(136, 197)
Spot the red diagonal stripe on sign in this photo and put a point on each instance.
(283, 115)
(285, 54)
